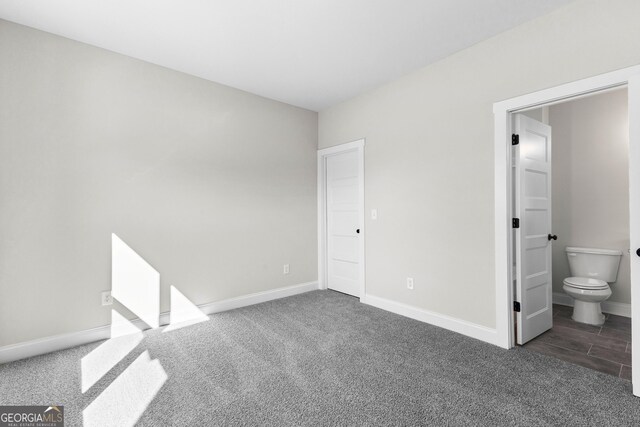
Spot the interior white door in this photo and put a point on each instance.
(532, 157)
(343, 228)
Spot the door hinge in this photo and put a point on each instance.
(516, 306)
(515, 222)
(515, 139)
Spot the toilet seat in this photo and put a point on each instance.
(587, 283)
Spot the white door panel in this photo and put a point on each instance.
(344, 248)
(345, 190)
(343, 222)
(342, 203)
(345, 269)
(532, 158)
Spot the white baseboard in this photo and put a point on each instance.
(463, 327)
(45, 345)
(257, 298)
(611, 307)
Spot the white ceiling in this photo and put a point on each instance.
(309, 53)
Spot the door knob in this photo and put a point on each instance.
(554, 237)
(358, 231)
(638, 252)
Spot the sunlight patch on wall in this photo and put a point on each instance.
(183, 312)
(108, 354)
(128, 396)
(135, 283)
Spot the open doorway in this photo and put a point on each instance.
(504, 274)
(570, 188)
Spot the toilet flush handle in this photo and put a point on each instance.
(554, 237)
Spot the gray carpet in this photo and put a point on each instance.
(322, 358)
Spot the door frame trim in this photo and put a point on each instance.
(358, 146)
(629, 77)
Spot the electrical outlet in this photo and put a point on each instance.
(410, 283)
(107, 299)
(285, 269)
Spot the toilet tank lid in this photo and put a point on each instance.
(593, 251)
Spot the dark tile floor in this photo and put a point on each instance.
(604, 348)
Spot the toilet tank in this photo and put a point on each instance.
(593, 262)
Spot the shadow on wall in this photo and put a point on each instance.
(136, 285)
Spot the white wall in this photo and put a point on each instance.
(539, 114)
(429, 150)
(214, 187)
(590, 175)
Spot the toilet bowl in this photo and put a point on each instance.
(587, 294)
(591, 269)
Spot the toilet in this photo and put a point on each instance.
(592, 270)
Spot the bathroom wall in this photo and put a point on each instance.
(539, 114)
(590, 169)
